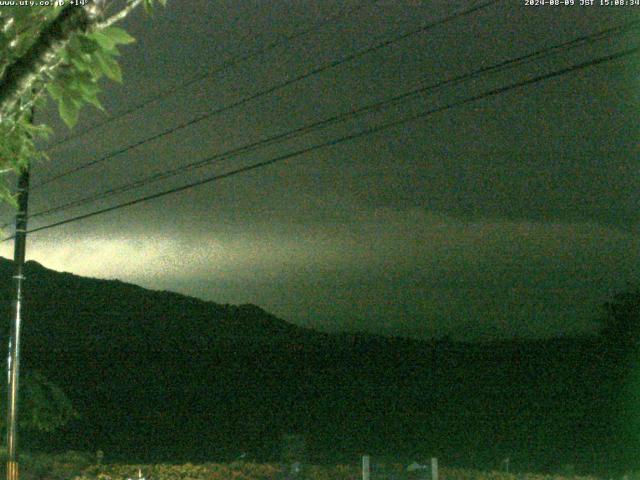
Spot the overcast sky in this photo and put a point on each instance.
(516, 215)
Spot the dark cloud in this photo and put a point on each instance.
(513, 215)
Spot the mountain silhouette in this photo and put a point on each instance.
(64, 311)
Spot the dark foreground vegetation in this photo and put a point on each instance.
(158, 377)
(73, 465)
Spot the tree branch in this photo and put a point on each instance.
(120, 15)
(18, 77)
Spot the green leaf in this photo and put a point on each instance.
(90, 65)
(41, 130)
(104, 40)
(80, 64)
(148, 6)
(90, 94)
(118, 35)
(55, 91)
(68, 111)
(109, 66)
(64, 55)
(7, 196)
(88, 44)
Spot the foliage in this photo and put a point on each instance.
(620, 325)
(59, 466)
(43, 405)
(188, 471)
(251, 471)
(464, 474)
(69, 73)
(87, 58)
(35, 466)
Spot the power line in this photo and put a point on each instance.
(362, 133)
(590, 38)
(375, 106)
(270, 90)
(232, 62)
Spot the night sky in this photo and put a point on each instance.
(516, 215)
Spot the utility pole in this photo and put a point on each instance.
(13, 360)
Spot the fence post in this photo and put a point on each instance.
(366, 470)
(434, 468)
